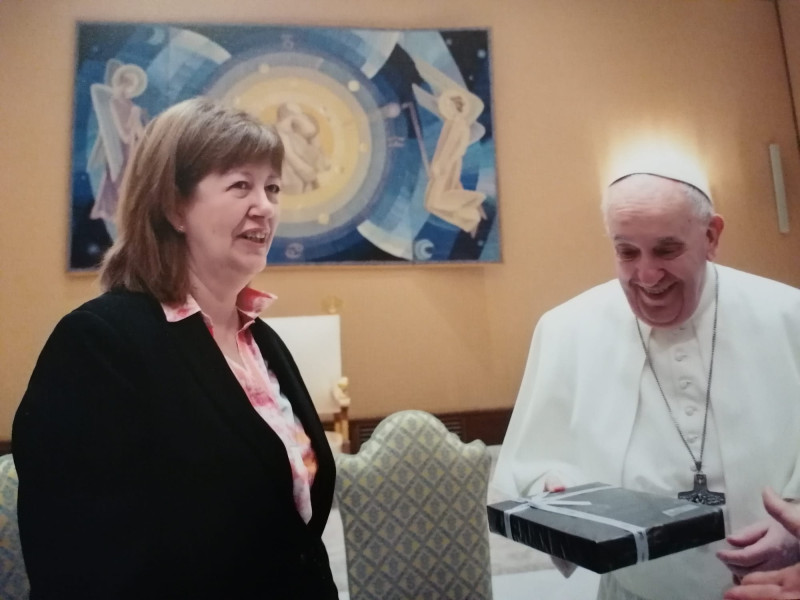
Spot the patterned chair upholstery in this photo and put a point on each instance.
(413, 506)
(13, 579)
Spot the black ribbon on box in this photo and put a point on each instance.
(603, 527)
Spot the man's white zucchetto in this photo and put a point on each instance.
(663, 163)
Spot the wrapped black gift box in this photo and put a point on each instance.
(646, 526)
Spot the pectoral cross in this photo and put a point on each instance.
(701, 494)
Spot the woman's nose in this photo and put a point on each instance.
(264, 204)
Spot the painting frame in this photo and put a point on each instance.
(391, 132)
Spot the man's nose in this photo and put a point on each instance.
(650, 271)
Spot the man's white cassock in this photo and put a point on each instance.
(589, 410)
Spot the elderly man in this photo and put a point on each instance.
(682, 377)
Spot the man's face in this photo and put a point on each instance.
(661, 247)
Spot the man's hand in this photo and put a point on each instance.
(553, 484)
(767, 545)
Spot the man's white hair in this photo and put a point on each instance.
(702, 206)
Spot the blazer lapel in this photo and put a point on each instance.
(207, 364)
(280, 362)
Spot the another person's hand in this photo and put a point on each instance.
(766, 545)
(783, 584)
(786, 513)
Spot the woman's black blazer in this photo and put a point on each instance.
(145, 472)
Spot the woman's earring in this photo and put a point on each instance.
(181, 229)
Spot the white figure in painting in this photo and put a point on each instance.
(303, 157)
(445, 196)
(459, 109)
(120, 127)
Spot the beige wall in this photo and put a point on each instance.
(572, 80)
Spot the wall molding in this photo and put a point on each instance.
(486, 425)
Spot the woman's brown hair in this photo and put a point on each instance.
(178, 148)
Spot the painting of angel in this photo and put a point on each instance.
(388, 134)
(459, 109)
(120, 126)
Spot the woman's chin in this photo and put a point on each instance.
(243, 271)
(255, 269)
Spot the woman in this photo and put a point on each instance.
(158, 456)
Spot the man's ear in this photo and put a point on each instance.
(713, 233)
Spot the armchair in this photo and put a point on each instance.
(413, 506)
(13, 578)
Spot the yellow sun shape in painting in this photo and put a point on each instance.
(324, 129)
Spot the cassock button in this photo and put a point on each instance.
(689, 410)
(692, 438)
(685, 383)
(679, 356)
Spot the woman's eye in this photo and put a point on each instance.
(273, 188)
(240, 185)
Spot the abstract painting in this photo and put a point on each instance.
(390, 154)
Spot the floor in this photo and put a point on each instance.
(539, 585)
(547, 584)
(518, 572)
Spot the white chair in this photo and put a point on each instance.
(315, 344)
